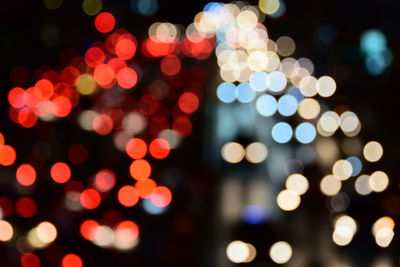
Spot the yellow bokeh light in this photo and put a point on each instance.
(257, 61)
(308, 86)
(383, 237)
(297, 183)
(280, 252)
(6, 231)
(383, 231)
(46, 232)
(92, 7)
(103, 236)
(326, 86)
(288, 200)
(378, 181)
(269, 7)
(256, 152)
(373, 151)
(85, 84)
(383, 222)
(342, 169)
(330, 186)
(233, 152)
(34, 240)
(53, 4)
(237, 251)
(309, 108)
(247, 20)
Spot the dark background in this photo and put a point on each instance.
(184, 236)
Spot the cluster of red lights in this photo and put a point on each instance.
(110, 65)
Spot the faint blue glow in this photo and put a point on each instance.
(376, 63)
(281, 11)
(244, 93)
(327, 33)
(287, 105)
(254, 214)
(226, 92)
(305, 133)
(356, 164)
(294, 91)
(149, 207)
(373, 42)
(258, 81)
(266, 105)
(276, 81)
(282, 132)
(144, 7)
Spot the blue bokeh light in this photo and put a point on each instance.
(244, 93)
(356, 164)
(226, 92)
(266, 105)
(258, 81)
(305, 132)
(373, 42)
(282, 132)
(295, 91)
(144, 7)
(254, 214)
(149, 207)
(287, 105)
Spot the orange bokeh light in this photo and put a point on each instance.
(88, 229)
(104, 75)
(26, 174)
(7, 155)
(136, 148)
(159, 148)
(140, 169)
(128, 196)
(125, 48)
(145, 187)
(44, 89)
(62, 106)
(60, 172)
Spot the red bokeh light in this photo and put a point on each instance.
(159, 148)
(72, 260)
(60, 172)
(90, 199)
(26, 207)
(104, 22)
(26, 175)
